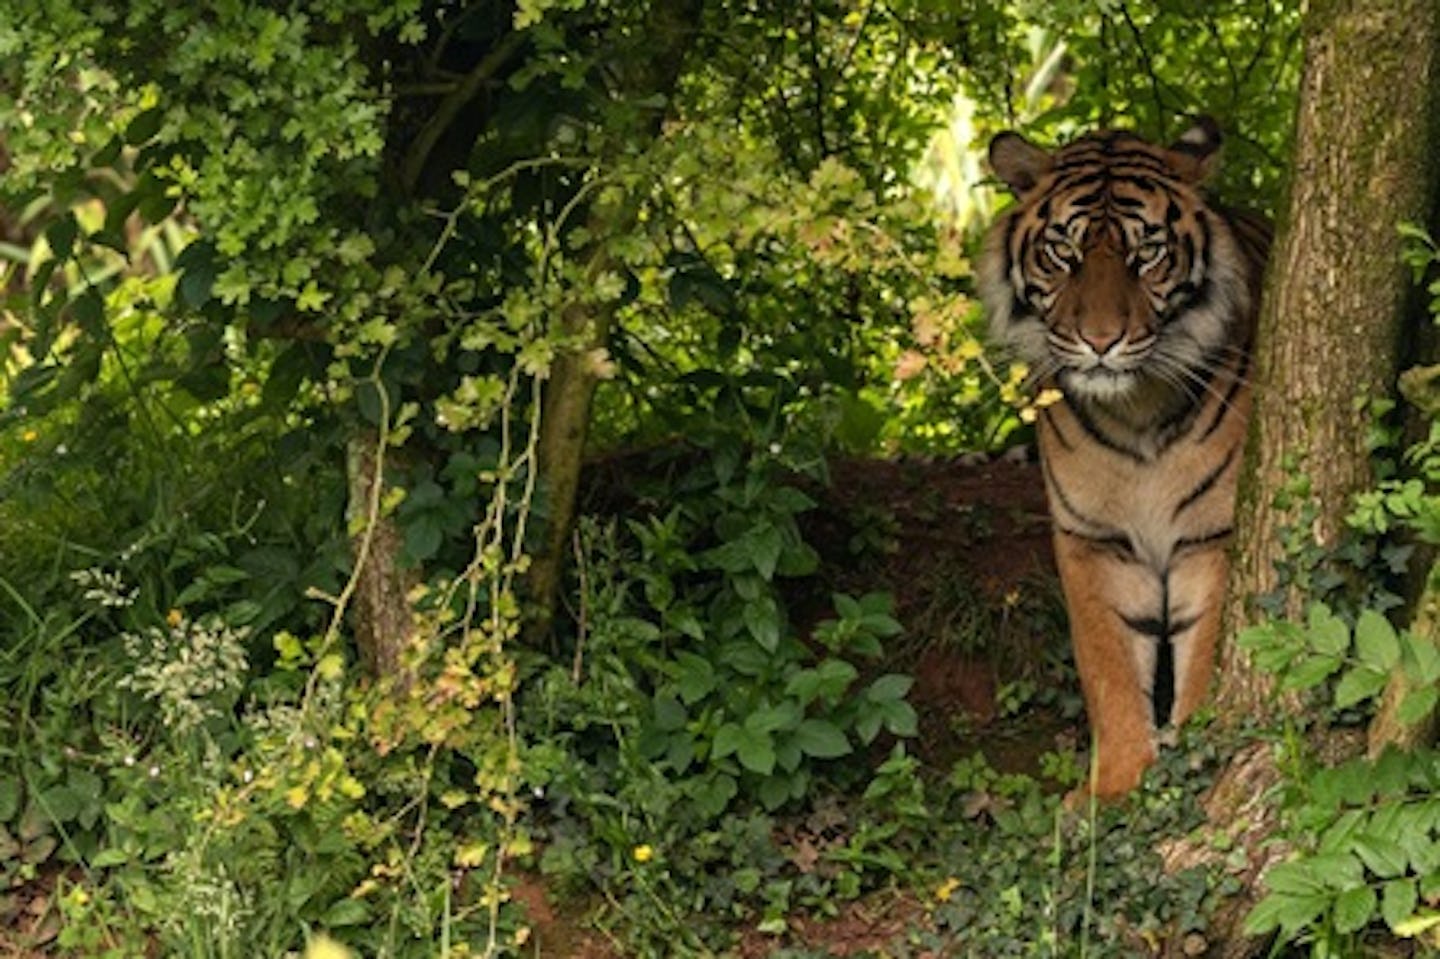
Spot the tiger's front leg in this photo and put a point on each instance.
(1144, 643)
(1102, 588)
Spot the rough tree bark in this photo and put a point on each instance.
(382, 618)
(1332, 321)
(1331, 330)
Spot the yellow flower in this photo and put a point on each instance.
(1048, 397)
(323, 947)
(642, 853)
(174, 618)
(30, 436)
(947, 889)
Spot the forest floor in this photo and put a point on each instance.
(963, 546)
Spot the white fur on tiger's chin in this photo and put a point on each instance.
(1100, 385)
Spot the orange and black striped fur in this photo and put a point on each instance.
(1124, 288)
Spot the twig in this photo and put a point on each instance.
(1149, 63)
(450, 107)
(582, 620)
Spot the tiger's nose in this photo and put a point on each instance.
(1102, 343)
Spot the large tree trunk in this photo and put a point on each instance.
(1331, 325)
(1330, 332)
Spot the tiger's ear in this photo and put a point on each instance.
(1197, 153)
(1018, 162)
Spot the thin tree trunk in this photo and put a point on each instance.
(382, 617)
(560, 448)
(565, 419)
(1331, 325)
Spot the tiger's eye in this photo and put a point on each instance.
(1150, 252)
(1062, 251)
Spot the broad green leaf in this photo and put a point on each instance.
(727, 740)
(1354, 909)
(669, 714)
(1375, 641)
(1417, 705)
(1310, 672)
(1328, 632)
(775, 791)
(1398, 901)
(890, 687)
(822, 739)
(346, 912)
(762, 619)
(1422, 660)
(1358, 684)
(1293, 878)
(768, 719)
(1289, 912)
(900, 718)
(694, 677)
(766, 544)
(756, 753)
(1338, 871)
(1384, 856)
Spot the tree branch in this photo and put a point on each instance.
(449, 108)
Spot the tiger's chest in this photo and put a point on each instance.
(1151, 496)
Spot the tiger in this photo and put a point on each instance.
(1132, 298)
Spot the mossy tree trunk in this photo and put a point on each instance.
(1332, 328)
(1338, 295)
(381, 613)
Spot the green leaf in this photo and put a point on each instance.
(144, 126)
(1354, 908)
(1357, 685)
(762, 618)
(1294, 878)
(1422, 660)
(768, 719)
(669, 715)
(423, 536)
(346, 912)
(889, 688)
(757, 753)
(110, 856)
(1327, 632)
(766, 545)
(1375, 641)
(822, 739)
(1397, 902)
(694, 677)
(727, 740)
(775, 791)
(900, 718)
(61, 235)
(1310, 672)
(1286, 911)
(9, 798)
(1417, 705)
(1383, 856)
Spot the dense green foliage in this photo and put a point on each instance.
(246, 244)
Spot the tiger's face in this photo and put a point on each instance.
(1111, 276)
